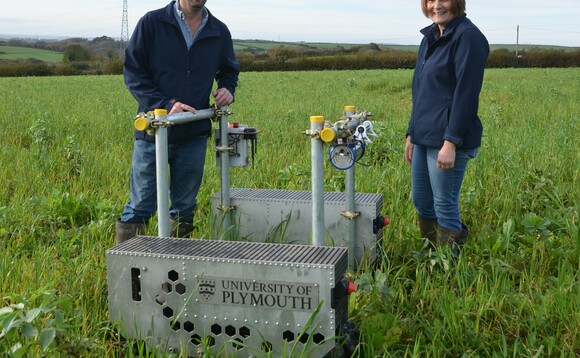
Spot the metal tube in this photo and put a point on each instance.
(161, 163)
(350, 197)
(225, 173)
(350, 207)
(317, 159)
(185, 117)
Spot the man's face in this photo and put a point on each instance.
(193, 5)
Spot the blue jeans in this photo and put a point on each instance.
(436, 191)
(186, 162)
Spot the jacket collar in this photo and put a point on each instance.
(210, 29)
(432, 29)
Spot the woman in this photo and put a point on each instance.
(444, 129)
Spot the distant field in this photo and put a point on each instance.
(240, 45)
(14, 53)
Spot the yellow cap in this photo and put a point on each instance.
(160, 112)
(316, 119)
(141, 124)
(350, 108)
(327, 135)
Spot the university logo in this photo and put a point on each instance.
(206, 289)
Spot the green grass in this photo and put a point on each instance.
(65, 159)
(15, 52)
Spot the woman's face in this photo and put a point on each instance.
(440, 11)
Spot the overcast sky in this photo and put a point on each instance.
(553, 22)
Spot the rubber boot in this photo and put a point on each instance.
(455, 238)
(428, 229)
(127, 230)
(180, 229)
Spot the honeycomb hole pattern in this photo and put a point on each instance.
(173, 275)
(166, 287)
(216, 329)
(244, 332)
(266, 347)
(231, 330)
(318, 338)
(196, 339)
(176, 326)
(168, 312)
(180, 288)
(238, 344)
(237, 334)
(288, 336)
(188, 327)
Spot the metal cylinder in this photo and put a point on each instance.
(351, 207)
(161, 163)
(317, 163)
(350, 202)
(186, 117)
(225, 175)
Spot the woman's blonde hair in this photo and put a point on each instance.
(457, 7)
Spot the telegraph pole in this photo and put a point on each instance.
(517, 40)
(124, 30)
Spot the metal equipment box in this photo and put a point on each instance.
(237, 298)
(285, 216)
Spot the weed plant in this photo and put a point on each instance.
(65, 158)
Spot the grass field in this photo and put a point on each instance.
(14, 53)
(515, 291)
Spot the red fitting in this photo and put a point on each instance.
(236, 124)
(351, 287)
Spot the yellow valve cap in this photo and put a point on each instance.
(160, 112)
(327, 135)
(141, 124)
(316, 119)
(350, 108)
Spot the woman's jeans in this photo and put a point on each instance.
(436, 191)
(186, 162)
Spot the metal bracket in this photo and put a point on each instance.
(226, 209)
(219, 113)
(350, 215)
(312, 133)
(224, 149)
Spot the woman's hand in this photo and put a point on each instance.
(446, 157)
(409, 149)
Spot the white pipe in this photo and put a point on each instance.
(162, 160)
(350, 200)
(225, 173)
(185, 117)
(161, 163)
(350, 207)
(316, 125)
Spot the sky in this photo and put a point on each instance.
(540, 22)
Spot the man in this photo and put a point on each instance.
(171, 62)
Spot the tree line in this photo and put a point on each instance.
(103, 56)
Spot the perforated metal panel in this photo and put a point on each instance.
(238, 297)
(264, 215)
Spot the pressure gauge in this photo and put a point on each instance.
(341, 156)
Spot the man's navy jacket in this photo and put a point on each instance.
(159, 68)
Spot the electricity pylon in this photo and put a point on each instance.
(124, 29)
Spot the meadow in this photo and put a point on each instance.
(66, 147)
(16, 52)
